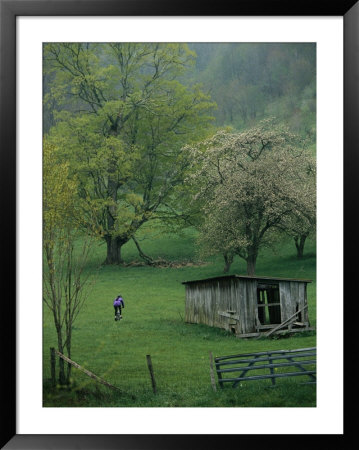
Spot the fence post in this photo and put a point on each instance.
(53, 366)
(271, 368)
(150, 368)
(213, 381)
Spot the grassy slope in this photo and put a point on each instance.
(154, 324)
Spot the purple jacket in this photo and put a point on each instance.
(119, 302)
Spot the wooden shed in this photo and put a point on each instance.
(248, 305)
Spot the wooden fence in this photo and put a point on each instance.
(273, 364)
(54, 352)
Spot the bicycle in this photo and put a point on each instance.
(118, 315)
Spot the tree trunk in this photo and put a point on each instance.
(147, 258)
(299, 244)
(228, 260)
(251, 264)
(62, 375)
(114, 247)
(68, 373)
(68, 347)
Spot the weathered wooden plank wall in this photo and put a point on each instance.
(247, 305)
(205, 300)
(302, 301)
(232, 303)
(293, 297)
(287, 307)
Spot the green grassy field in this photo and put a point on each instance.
(153, 324)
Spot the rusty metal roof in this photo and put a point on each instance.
(251, 277)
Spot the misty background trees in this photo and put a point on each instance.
(121, 114)
(251, 81)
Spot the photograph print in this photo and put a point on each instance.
(179, 224)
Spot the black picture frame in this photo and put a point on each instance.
(9, 10)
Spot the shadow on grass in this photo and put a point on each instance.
(84, 394)
(295, 259)
(248, 394)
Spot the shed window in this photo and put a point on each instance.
(268, 303)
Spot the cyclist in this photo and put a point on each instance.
(118, 304)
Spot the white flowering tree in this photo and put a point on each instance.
(301, 226)
(250, 185)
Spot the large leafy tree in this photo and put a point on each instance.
(250, 185)
(122, 117)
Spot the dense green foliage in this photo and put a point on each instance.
(248, 81)
(120, 114)
(120, 120)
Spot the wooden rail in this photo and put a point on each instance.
(273, 364)
(73, 363)
(287, 322)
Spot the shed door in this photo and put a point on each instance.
(268, 303)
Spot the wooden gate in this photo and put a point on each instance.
(272, 365)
